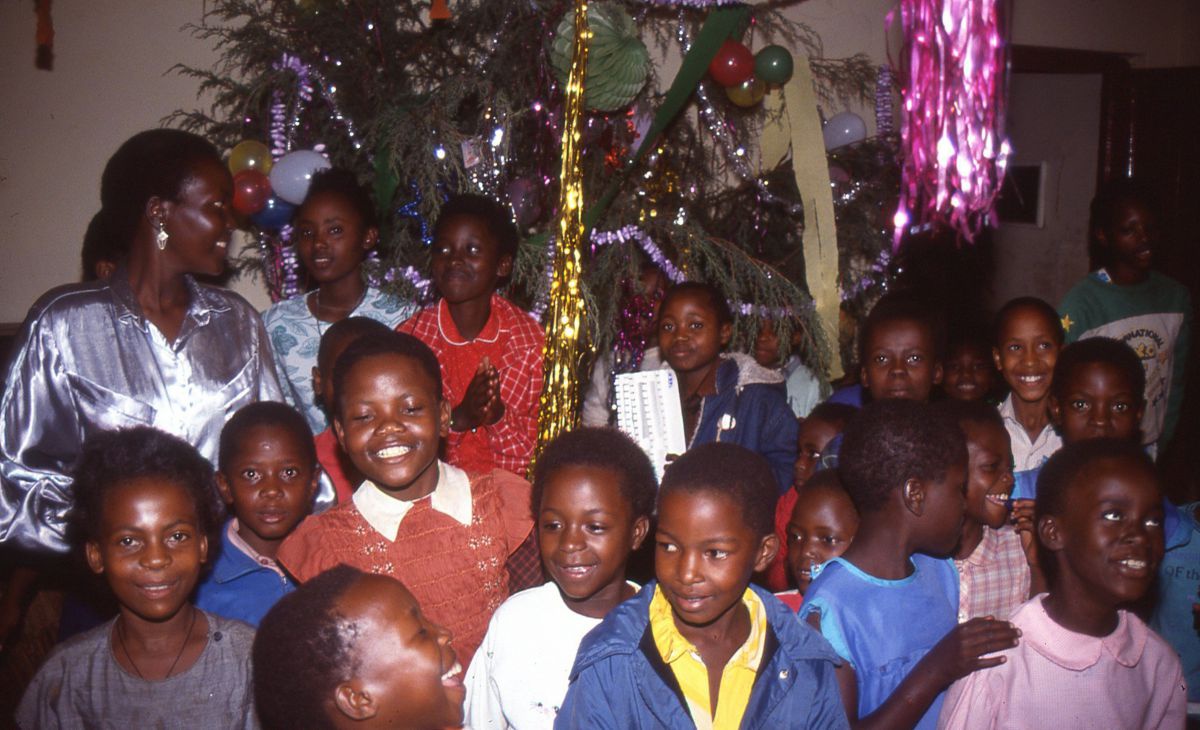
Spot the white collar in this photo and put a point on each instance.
(451, 497)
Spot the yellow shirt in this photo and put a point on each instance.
(737, 678)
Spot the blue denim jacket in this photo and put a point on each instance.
(619, 681)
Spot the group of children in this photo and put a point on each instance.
(883, 561)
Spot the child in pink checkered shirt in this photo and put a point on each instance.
(996, 557)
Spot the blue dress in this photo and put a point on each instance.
(884, 627)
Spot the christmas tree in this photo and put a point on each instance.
(427, 99)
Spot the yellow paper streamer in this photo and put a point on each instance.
(564, 314)
(799, 129)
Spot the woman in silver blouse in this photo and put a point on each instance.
(150, 345)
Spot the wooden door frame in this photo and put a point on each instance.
(1115, 155)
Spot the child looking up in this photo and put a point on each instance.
(267, 475)
(334, 229)
(144, 510)
(1127, 300)
(1028, 338)
(969, 371)
(445, 533)
(887, 607)
(490, 351)
(725, 397)
(821, 526)
(1097, 391)
(337, 338)
(701, 646)
(816, 432)
(996, 564)
(593, 494)
(351, 649)
(1083, 660)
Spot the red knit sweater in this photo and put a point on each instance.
(456, 572)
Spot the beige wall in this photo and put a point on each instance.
(58, 128)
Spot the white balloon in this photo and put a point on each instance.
(840, 130)
(292, 173)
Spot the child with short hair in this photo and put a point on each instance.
(334, 230)
(1128, 300)
(997, 564)
(700, 646)
(145, 507)
(490, 350)
(900, 354)
(816, 432)
(886, 605)
(969, 374)
(445, 533)
(352, 649)
(900, 350)
(1097, 391)
(804, 389)
(821, 526)
(334, 462)
(267, 475)
(1028, 338)
(1084, 661)
(726, 397)
(593, 495)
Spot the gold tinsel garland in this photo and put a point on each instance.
(564, 314)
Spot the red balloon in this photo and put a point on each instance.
(251, 189)
(733, 64)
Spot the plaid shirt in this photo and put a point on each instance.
(512, 341)
(994, 579)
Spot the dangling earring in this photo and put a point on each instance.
(161, 236)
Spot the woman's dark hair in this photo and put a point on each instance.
(600, 448)
(892, 441)
(340, 181)
(264, 413)
(394, 343)
(303, 650)
(497, 218)
(1041, 306)
(99, 244)
(114, 458)
(716, 299)
(156, 163)
(730, 470)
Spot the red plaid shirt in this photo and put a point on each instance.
(512, 341)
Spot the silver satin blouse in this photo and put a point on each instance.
(88, 361)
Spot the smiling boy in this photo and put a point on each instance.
(701, 647)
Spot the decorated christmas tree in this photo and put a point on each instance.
(708, 173)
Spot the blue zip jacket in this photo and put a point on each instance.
(620, 681)
(750, 409)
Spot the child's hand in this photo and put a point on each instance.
(477, 404)
(961, 651)
(1022, 522)
(494, 410)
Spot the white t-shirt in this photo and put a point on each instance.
(518, 678)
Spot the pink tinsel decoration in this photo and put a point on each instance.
(952, 135)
